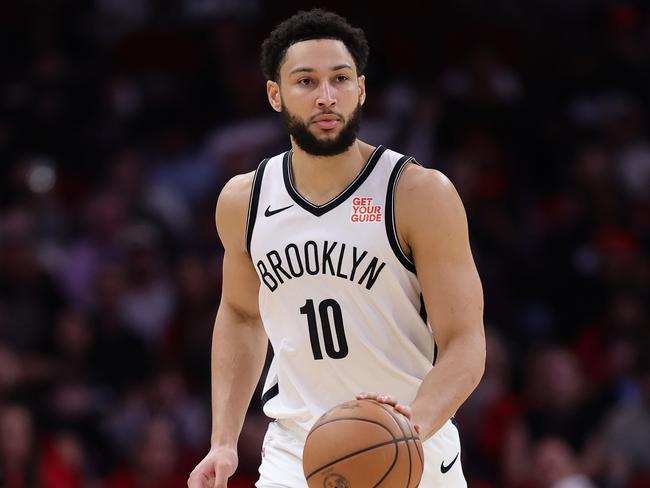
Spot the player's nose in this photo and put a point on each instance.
(326, 97)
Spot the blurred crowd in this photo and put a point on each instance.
(120, 122)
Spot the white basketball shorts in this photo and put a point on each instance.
(282, 458)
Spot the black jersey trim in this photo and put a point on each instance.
(455, 423)
(425, 319)
(423, 309)
(270, 393)
(319, 210)
(391, 228)
(253, 203)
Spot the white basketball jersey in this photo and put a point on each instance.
(339, 299)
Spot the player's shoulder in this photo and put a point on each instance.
(426, 196)
(232, 205)
(417, 183)
(236, 192)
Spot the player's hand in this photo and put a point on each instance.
(214, 469)
(392, 401)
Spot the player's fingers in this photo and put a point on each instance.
(222, 472)
(367, 395)
(220, 482)
(198, 480)
(407, 411)
(388, 399)
(381, 398)
(404, 410)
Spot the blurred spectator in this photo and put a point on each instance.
(28, 296)
(627, 434)
(556, 467)
(103, 219)
(484, 80)
(62, 463)
(149, 297)
(557, 402)
(171, 398)
(11, 371)
(609, 348)
(18, 456)
(155, 460)
(120, 358)
(557, 398)
(190, 334)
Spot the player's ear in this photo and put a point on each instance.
(362, 89)
(273, 93)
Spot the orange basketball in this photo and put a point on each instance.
(362, 444)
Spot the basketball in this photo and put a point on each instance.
(362, 444)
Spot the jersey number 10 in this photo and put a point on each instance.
(324, 313)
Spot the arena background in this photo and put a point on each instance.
(120, 121)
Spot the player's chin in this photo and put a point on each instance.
(321, 133)
(329, 136)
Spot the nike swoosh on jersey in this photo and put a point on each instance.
(268, 212)
(444, 469)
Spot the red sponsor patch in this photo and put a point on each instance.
(364, 211)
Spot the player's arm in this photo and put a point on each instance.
(432, 228)
(239, 342)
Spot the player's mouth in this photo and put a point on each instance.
(326, 121)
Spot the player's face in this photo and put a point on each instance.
(319, 95)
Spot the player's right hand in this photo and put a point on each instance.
(214, 469)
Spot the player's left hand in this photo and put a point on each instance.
(392, 401)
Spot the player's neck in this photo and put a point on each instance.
(321, 178)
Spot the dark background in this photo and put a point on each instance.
(120, 121)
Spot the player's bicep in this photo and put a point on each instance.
(438, 238)
(452, 294)
(240, 284)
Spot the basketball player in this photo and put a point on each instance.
(352, 259)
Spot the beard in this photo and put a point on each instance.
(309, 143)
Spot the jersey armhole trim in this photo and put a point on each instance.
(253, 203)
(425, 319)
(270, 393)
(391, 227)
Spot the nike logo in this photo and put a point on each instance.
(444, 469)
(268, 212)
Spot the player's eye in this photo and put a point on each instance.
(305, 81)
(342, 78)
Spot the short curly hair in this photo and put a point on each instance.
(313, 24)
